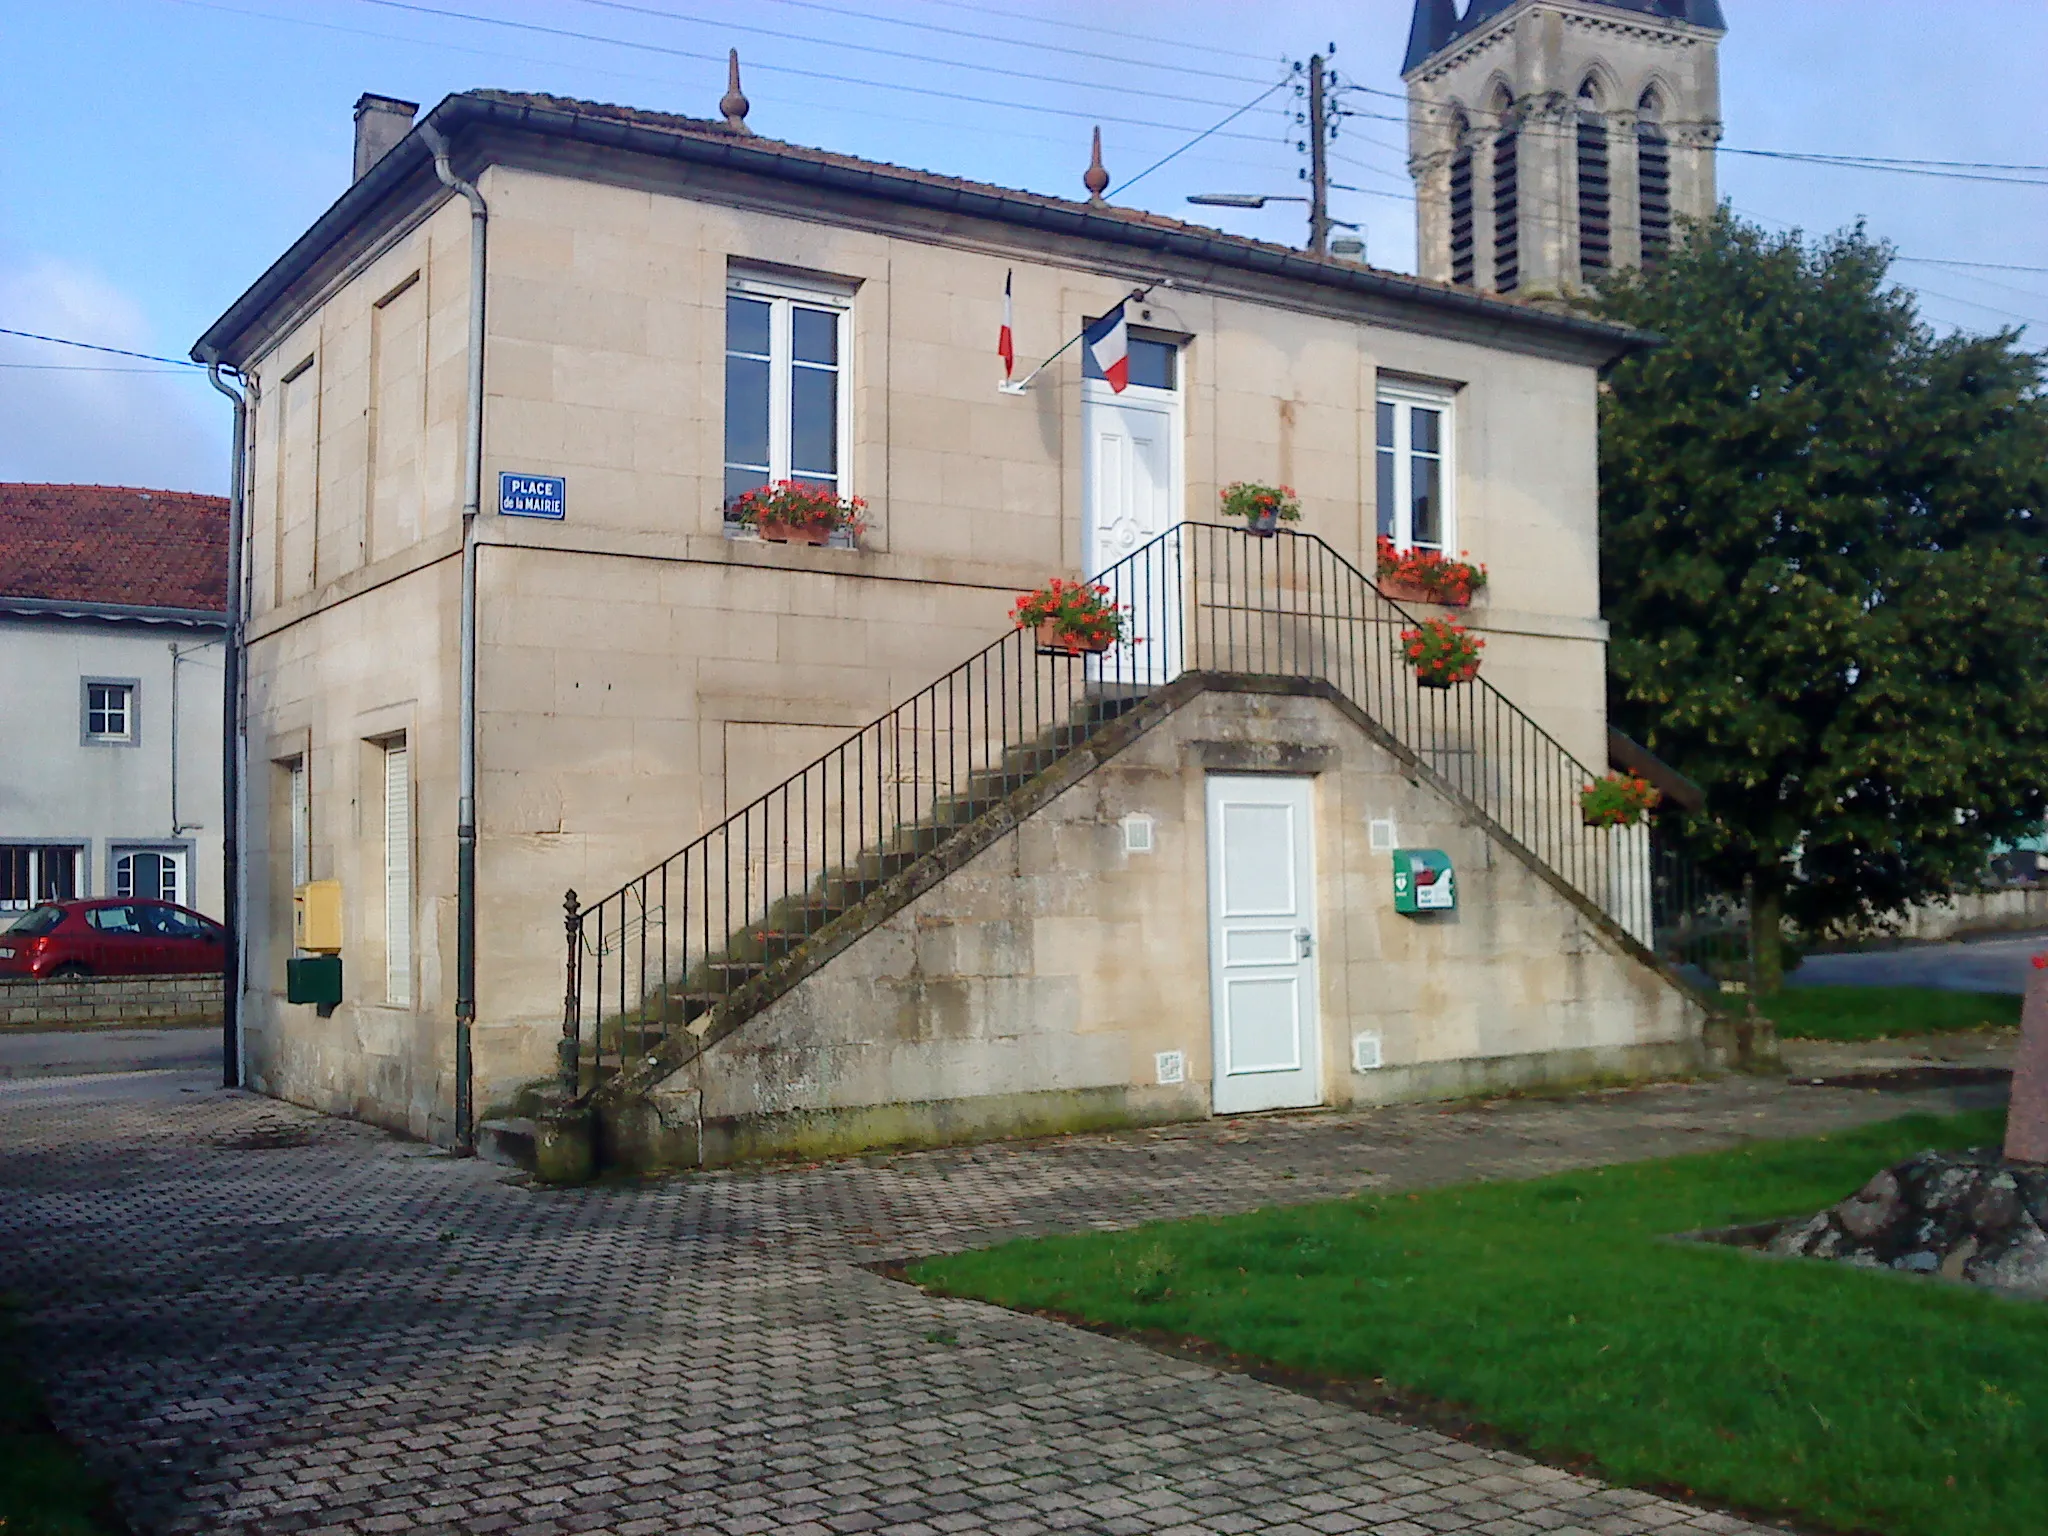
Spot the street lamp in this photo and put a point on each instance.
(1320, 221)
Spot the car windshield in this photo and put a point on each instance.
(37, 920)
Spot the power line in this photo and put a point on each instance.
(162, 373)
(1988, 266)
(1191, 143)
(1123, 60)
(685, 18)
(93, 346)
(1009, 14)
(784, 69)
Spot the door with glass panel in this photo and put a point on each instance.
(1132, 493)
(786, 409)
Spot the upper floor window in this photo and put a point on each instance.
(1415, 503)
(785, 386)
(1653, 180)
(110, 711)
(1595, 218)
(1463, 228)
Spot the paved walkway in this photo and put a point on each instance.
(69, 1052)
(260, 1320)
(1967, 965)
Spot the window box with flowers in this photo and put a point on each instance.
(1442, 652)
(1426, 576)
(1618, 800)
(798, 512)
(1071, 618)
(1263, 508)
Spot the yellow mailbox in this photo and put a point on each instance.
(316, 917)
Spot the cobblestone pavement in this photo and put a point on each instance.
(257, 1319)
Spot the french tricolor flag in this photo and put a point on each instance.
(1006, 341)
(1108, 342)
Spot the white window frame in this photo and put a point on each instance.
(130, 734)
(300, 813)
(1403, 396)
(399, 930)
(39, 855)
(781, 298)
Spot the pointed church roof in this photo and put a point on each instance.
(1437, 23)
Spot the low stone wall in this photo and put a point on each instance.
(90, 1000)
(2017, 910)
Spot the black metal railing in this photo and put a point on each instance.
(668, 946)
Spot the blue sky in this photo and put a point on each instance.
(156, 155)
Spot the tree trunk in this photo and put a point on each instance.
(1766, 936)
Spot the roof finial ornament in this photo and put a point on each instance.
(1097, 179)
(734, 103)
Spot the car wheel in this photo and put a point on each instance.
(71, 970)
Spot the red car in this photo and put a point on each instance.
(118, 936)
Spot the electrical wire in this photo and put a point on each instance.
(1191, 143)
(1009, 13)
(162, 373)
(686, 18)
(93, 346)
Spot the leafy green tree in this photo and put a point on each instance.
(1824, 552)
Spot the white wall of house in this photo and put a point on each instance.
(147, 788)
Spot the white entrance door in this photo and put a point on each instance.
(1262, 976)
(1131, 477)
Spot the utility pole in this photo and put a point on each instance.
(1318, 161)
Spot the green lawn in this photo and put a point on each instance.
(1552, 1311)
(1878, 1013)
(44, 1488)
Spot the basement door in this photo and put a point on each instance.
(1131, 493)
(1262, 982)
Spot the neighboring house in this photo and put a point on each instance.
(991, 908)
(1552, 141)
(112, 623)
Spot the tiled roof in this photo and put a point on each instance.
(1437, 23)
(114, 544)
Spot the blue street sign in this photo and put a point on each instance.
(533, 496)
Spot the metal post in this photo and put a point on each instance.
(569, 1053)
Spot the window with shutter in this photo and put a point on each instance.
(397, 875)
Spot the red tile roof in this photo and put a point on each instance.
(114, 544)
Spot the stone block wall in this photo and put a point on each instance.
(106, 1000)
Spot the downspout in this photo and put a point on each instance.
(232, 962)
(465, 813)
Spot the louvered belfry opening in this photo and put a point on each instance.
(1507, 247)
(1464, 232)
(1596, 236)
(1653, 182)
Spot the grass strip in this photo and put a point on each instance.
(1555, 1312)
(1881, 1013)
(45, 1489)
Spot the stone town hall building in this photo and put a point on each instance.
(1552, 141)
(857, 863)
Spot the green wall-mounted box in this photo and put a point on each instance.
(313, 979)
(1423, 881)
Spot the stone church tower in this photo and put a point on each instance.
(1554, 140)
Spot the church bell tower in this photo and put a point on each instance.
(1552, 141)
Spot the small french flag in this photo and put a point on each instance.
(1109, 344)
(1006, 341)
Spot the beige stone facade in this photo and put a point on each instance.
(642, 671)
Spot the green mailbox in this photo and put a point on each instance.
(313, 979)
(1423, 881)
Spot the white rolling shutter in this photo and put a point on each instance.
(302, 826)
(397, 875)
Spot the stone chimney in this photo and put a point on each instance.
(381, 121)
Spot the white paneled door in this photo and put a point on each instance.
(1131, 473)
(1262, 938)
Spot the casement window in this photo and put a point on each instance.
(108, 710)
(397, 874)
(35, 872)
(1414, 451)
(153, 874)
(786, 400)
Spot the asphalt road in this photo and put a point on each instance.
(1973, 965)
(75, 1052)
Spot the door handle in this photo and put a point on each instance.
(1306, 941)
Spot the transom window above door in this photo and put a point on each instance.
(785, 387)
(1416, 505)
(1154, 364)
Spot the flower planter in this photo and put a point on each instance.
(793, 533)
(1618, 800)
(1400, 590)
(1441, 653)
(1263, 525)
(1431, 680)
(1263, 508)
(1052, 643)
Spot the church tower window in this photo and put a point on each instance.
(1507, 245)
(1463, 231)
(1653, 181)
(1596, 248)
